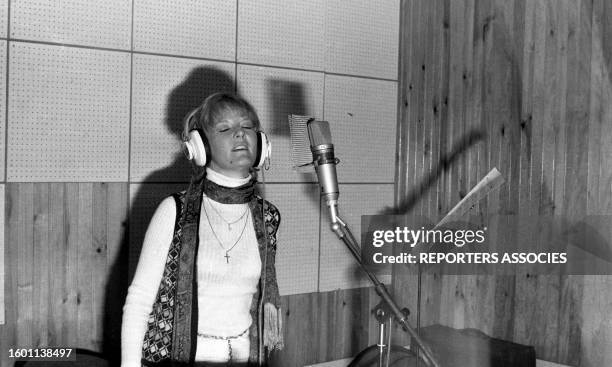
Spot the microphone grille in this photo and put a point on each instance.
(319, 133)
(300, 149)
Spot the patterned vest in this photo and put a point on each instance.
(171, 334)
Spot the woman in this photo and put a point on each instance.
(205, 287)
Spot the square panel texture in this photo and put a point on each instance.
(164, 90)
(3, 64)
(276, 93)
(282, 33)
(196, 28)
(362, 37)
(339, 269)
(362, 118)
(3, 18)
(297, 256)
(68, 113)
(79, 22)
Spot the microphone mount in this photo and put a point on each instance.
(325, 156)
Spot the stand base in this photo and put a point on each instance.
(400, 356)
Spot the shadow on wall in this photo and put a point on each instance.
(187, 95)
(515, 122)
(407, 203)
(288, 97)
(190, 94)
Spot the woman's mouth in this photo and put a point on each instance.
(239, 148)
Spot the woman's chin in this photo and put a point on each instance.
(242, 161)
(238, 168)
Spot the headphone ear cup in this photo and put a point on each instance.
(264, 150)
(197, 148)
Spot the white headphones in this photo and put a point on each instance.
(197, 148)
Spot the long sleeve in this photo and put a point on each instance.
(143, 290)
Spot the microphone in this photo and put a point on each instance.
(325, 164)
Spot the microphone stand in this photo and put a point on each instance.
(491, 181)
(343, 232)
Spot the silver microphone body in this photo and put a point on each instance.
(325, 162)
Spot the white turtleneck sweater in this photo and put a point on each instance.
(225, 286)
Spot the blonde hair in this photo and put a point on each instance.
(214, 108)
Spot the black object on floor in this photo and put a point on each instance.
(473, 348)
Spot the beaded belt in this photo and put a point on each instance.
(228, 338)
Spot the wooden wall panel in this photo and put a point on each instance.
(326, 326)
(532, 79)
(63, 240)
(67, 276)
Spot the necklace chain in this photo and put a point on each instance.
(227, 251)
(229, 223)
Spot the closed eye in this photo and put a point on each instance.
(247, 125)
(222, 128)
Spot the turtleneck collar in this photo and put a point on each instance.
(223, 180)
(228, 190)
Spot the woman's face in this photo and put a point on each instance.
(233, 144)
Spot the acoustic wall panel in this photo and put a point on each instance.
(282, 33)
(2, 107)
(297, 257)
(338, 269)
(362, 116)
(197, 28)
(276, 93)
(164, 90)
(68, 113)
(362, 37)
(3, 18)
(81, 22)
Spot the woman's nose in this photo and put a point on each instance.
(239, 133)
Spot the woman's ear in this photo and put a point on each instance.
(196, 148)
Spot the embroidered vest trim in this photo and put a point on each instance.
(177, 297)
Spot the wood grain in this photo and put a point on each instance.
(56, 278)
(68, 267)
(535, 77)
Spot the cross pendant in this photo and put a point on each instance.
(227, 256)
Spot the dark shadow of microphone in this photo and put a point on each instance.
(410, 200)
(286, 97)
